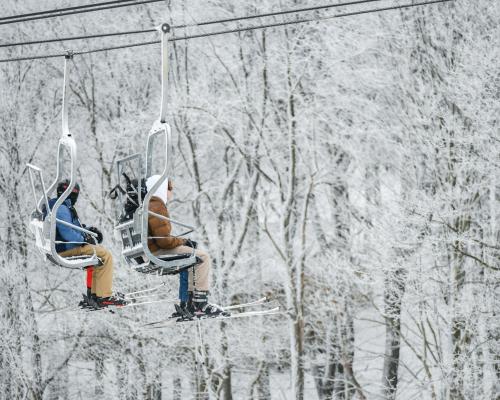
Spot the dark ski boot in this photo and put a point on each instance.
(86, 302)
(182, 312)
(102, 302)
(200, 307)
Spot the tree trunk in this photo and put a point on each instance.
(394, 291)
(99, 376)
(177, 388)
(264, 383)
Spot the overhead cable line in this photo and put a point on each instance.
(56, 10)
(204, 23)
(308, 20)
(236, 30)
(73, 10)
(64, 39)
(277, 13)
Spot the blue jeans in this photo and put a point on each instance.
(183, 285)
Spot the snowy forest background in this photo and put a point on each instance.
(349, 169)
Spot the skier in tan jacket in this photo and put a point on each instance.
(162, 242)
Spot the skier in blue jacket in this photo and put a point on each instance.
(71, 242)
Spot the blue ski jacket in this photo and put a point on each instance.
(65, 233)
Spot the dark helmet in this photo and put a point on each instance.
(63, 185)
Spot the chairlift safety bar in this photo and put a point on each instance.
(171, 220)
(76, 227)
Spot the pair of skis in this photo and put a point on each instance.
(231, 312)
(134, 299)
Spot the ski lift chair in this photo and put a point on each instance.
(43, 221)
(134, 231)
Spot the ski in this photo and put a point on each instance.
(111, 308)
(142, 303)
(145, 296)
(173, 321)
(239, 306)
(258, 302)
(132, 295)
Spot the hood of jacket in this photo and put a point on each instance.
(161, 192)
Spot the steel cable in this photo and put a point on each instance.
(56, 10)
(236, 30)
(63, 39)
(204, 23)
(73, 10)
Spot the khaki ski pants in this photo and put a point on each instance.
(202, 271)
(102, 280)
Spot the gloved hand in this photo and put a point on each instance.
(97, 232)
(89, 239)
(191, 243)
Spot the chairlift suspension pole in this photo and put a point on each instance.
(65, 128)
(165, 34)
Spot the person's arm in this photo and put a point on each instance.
(67, 234)
(160, 229)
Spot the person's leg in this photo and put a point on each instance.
(200, 279)
(183, 276)
(183, 286)
(199, 283)
(89, 271)
(102, 277)
(102, 281)
(184, 295)
(202, 274)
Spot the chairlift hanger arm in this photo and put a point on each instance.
(165, 34)
(160, 127)
(67, 142)
(46, 229)
(137, 253)
(65, 127)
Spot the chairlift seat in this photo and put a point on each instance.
(40, 229)
(151, 268)
(133, 252)
(76, 258)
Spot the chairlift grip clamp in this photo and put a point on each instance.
(69, 54)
